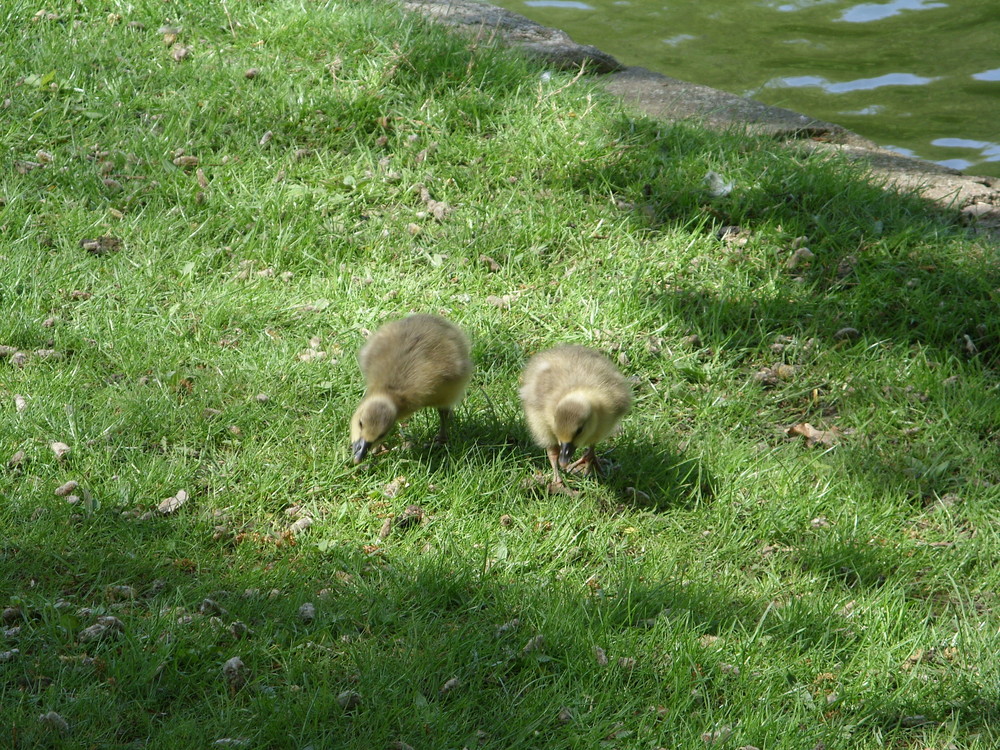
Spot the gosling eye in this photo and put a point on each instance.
(578, 431)
(361, 424)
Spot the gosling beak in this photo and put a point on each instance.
(359, 448)
(566, 454)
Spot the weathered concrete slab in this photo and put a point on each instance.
(552, 45)
(976, 197)
(669, 98)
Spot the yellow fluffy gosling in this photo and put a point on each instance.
(408, 364)
(573, 396)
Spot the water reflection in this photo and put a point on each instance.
(862, 84)
(988, 75)
(959, 164)
(574, 4)
(875, 109)
(878, 11)
(679, 39)
(802, 5)
(987, 151)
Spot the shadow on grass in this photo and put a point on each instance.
(949, 322)
(435, 650)
(438, 649)
(640, 476)
(670, 479)
(853, 564)
(883, 262)
(973, 705)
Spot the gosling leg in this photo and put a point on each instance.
(553, 452)
(442, 437)
(587, 464)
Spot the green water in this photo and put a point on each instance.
(921, 77)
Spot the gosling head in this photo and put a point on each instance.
(370, 424)
(573, 425)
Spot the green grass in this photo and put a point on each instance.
(782, 590)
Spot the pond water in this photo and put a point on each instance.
(921, 77)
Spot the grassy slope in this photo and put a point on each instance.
(778, 589)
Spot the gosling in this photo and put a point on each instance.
(409, 364)
(573, 396)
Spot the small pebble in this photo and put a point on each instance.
(534, 644)
(67, 489)
(119, 593)
(235, 673)
(96, 632)
(210, 607)
(55, 721)
(111, 623)
(349, 700)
